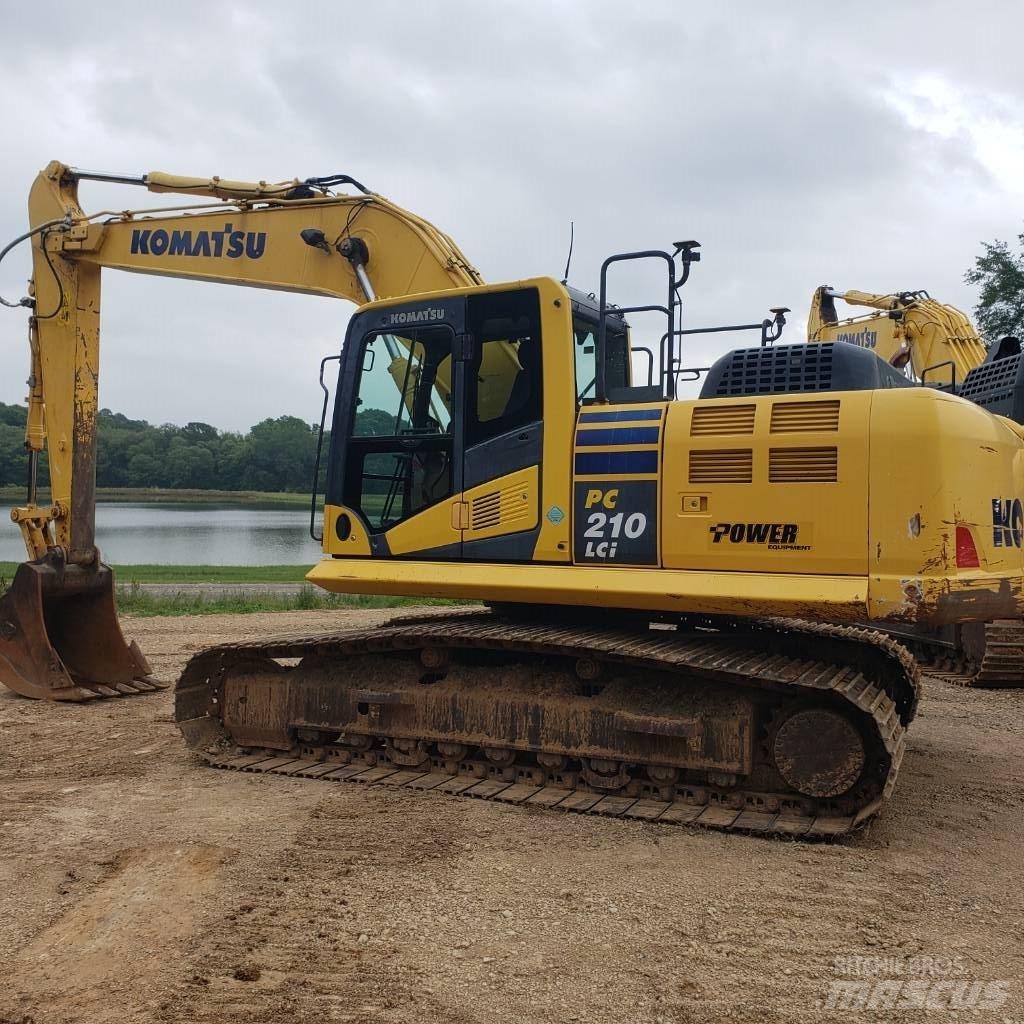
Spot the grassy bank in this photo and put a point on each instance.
(127, 574)
(133, 600)
(14, 493)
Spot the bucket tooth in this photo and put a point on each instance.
(60, 638)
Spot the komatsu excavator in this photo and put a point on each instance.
(662, 574)
(937, 345)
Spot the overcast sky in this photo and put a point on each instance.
(867, 146)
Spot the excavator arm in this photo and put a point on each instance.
(59, 636)
(907, 328)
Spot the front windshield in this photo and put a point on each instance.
(405, 384)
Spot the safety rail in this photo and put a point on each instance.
(670, 370)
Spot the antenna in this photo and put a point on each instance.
(568, 259)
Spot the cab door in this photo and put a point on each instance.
(500, 435)
(401, 467)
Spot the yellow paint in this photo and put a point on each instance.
(940, 461)
(559, 368)
(599, 586)
(831, 518)
(434, 527)
(617, 477)
(607, 498)
(358, 543)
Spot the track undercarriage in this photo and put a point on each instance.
(767, 726)
(987, 655)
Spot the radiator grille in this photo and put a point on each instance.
(793, 417)
(722, 466)
(991, 382)
(760, 371)
(803, 465)
(722, 419)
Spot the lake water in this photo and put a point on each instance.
(200, 533)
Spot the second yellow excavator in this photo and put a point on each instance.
(937, 345)
(645, 557)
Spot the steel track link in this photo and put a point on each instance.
(999, 667)
(867, 670)
(1002, 663)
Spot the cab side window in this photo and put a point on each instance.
(504, 378)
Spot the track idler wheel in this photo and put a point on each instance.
(60, 638)
(819, 752)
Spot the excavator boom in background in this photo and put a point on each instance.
(646, 558)
(935, 342)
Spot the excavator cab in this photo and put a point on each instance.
(437, 397)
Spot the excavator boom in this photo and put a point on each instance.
(935, 341)
(59, 633)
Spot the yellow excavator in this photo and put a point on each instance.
(937, 345)
(663, 576)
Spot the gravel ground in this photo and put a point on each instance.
(137, 885)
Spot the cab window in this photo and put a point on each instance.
(400, 450)
(504, 378)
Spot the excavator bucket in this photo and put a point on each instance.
(60, 638)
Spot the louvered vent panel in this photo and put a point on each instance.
(499, 508)
(793, 417)
(714, 418)
(485, 511)
(803, 465)
(723, 466)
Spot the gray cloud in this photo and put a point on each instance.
(779, 137)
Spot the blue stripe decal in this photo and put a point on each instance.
(619, 415)
(618, 435)
(599, 463)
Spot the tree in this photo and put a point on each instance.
(1000, 273)
(276, 455)
(189, 465)
(374, 422)
(144, 469)
(13, 460)
(283, 451)
(13, 415)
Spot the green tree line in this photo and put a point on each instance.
(275, 455)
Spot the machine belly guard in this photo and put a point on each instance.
(60, 638)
